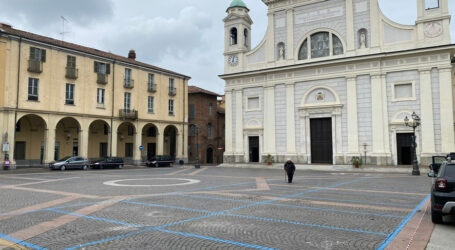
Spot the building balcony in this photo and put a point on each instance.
(101, 78)
(35, 66)
(172, 91)
(128, 83)
(72, 73)
(128, 114)
(152, 88)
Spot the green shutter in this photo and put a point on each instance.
(108, 69)
(43, 55)
(32, 53)
(96, 67)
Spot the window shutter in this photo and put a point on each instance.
(108, 69)
(43, 55)
(96, 67)
(32, 53)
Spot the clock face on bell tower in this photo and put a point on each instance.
(233, 60)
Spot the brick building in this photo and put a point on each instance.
(205, 113)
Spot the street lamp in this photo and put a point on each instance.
(197, 130)
(414, 123)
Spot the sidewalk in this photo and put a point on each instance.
(443, 235)
(333, 168)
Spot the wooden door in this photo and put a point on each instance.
(321, 140)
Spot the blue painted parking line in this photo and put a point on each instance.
(358, 202)
(20, 242)
(107, 240)
(166, 206)
(215, 239)
(307, 224)
(392, 236)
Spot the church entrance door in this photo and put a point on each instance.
(321, 140)
(404, 153)
(254, 148)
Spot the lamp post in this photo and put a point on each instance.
(414, 123)
(197, 130)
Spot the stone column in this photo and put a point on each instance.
(83, 142)
(269, 121)
(239, 151)
(270, 44)
(228, 123)
(290, 121)
(49, 151)
(159, 141)
(446, 104)
(377, 115)
(350, 43)
(353, 131)
(113, 141)
(290, 34)
(137, 143)
(385, 116)
(178, 144)
(426, 112)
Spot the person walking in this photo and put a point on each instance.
(289, 167)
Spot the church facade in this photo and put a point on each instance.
(333, 79)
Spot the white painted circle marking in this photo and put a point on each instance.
(116, 184)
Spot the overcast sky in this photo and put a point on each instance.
(185, 36)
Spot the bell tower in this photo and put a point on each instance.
(237, 33)
(433, 21)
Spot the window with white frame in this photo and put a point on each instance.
(150, 104)
(253, 103)
(151, 81)
(128, 81)
(127, 101)
(171, 107)
(33, 85)
(403, 91)
(69, 94)
(100, 96)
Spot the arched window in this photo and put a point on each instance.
(209, 130)
(233, 36)
(321, 44)
(245, 37)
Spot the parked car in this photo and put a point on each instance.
(443, 192)
(435, 165)
(108, 162)
(160, 161)
(75, 162)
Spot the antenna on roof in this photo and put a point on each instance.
(63, 28)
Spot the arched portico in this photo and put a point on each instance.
(126, 143)
(170, 140)
(67, 139)
(30, 140)
(99, 139)
(149, 141)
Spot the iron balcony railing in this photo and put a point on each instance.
(72, 73)
(172, 91)
(35, 66)
(128, 83)
(101, 78)
(152, 88)
(128, 114)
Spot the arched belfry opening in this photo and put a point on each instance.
(233, 36)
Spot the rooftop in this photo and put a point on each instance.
(7, 29)
(197, 90)
(237, 3)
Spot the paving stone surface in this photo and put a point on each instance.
(221, 208)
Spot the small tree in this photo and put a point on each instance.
(356, 161)
(269, 159)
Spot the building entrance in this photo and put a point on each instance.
(151, 150)
(404, 152)
(254, 148)
(321, 140)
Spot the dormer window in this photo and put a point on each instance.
(431, 4)
(321, 44)
(233, 36)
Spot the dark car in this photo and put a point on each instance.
(160, 161)
(108, 162)
(436, 164)
(443, 192)
(75, 162)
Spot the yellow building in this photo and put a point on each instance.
(60, 99)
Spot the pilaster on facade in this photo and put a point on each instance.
(290, 120)
(350, 44)
(446, 106)
(239, 122)
(270, 43)
(378, 113)
(426, 110)
(353, 131)
(160, 146)
(136, 150)
(49, 149)
(269, 120)
(290, 35)
(385, 116)
(83, 142)
(228, 125)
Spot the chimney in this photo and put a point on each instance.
(5, 26)
(132, 54)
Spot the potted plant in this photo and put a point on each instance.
(269, 159)
(356, 161)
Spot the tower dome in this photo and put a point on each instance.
(238, 3)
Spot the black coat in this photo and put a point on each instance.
(289, 167)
